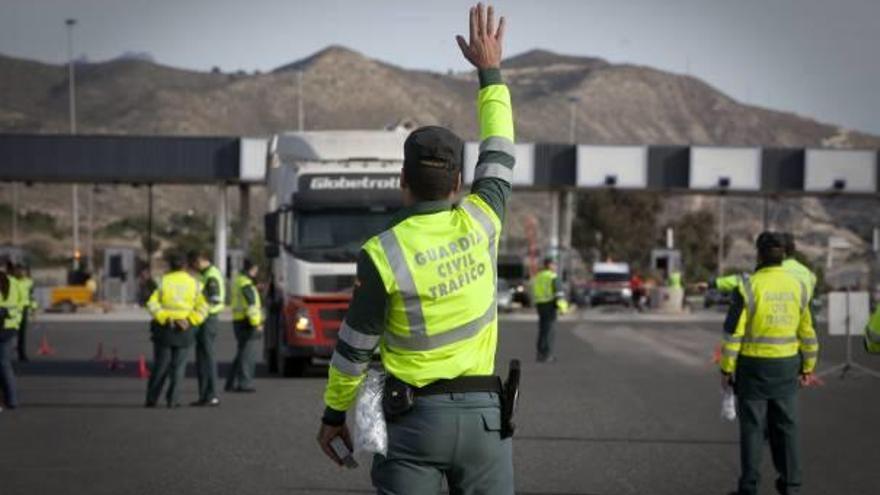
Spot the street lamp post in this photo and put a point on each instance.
(71, 87)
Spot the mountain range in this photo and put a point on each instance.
(343, 89)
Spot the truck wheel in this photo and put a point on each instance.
(66, 307)
(294, 367)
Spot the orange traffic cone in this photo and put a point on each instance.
(716, 355)
(114, 363)
(99, 354)
(143, 371)
(45, 349)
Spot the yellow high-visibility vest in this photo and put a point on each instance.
(213, 273)
(241, 310)
(872, 333)
(775, 323)
(11, 304)
(178, 297)
(544, 288)
(440, 272)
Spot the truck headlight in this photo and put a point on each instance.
(302, 324)
(626, 292)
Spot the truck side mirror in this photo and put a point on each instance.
(271, 251)
(270, 225)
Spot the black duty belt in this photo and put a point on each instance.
(460, 385)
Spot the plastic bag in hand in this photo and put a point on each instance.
(371, 433)
(728, 404)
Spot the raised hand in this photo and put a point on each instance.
(483, 50)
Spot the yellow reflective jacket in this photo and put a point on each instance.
(872, 333)
(245, 301)
(544, 288)
(216, 301)
(774, 323)
(10, 303)
(438, 274)
(178, 297)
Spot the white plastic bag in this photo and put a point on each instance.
(371, 433)
(728, 404)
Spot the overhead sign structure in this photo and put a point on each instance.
(624, 167)
(848, 313)
(734, 169)
(852, 171)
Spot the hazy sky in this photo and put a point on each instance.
(819, 58)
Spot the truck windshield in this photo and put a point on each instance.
(335, 235)
(610, 277)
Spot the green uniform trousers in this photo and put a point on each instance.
(206, 362)
(170, 351)
(453, 436)
(767, 409)
(241, 375)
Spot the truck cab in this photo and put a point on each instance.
(328, 192)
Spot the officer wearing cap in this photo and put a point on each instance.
(546, 293)
(769, 348)
(247, 323)
(426, 298)
(178, 307)
(214, 291)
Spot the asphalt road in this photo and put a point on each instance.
(632, 407)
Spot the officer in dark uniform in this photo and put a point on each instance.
(769, 348)
(426, 298)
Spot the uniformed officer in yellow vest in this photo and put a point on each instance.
(247, 322)
(28, 304)
(426, 298)
(10, 318)
(769, 348)
(214, 290)
(177, 307)
(872, 333)
(546, 293)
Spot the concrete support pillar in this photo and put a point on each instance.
(721, 227)
(221, 221)
(15, 213)
(244, 197)
(554, 221)
(565, 229)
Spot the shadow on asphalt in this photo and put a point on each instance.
(363, 490)
(127, 369)
(659, 441)
(82, 405)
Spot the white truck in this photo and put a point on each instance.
(328, 192)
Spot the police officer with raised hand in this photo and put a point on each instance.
(769, 348)
(425, 297)
(214, 290)
(247, 322)
(178, 307)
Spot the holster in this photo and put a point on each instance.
(509, 399)
(398, 398)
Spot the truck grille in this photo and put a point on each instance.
(331, 314)
(333, 283)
